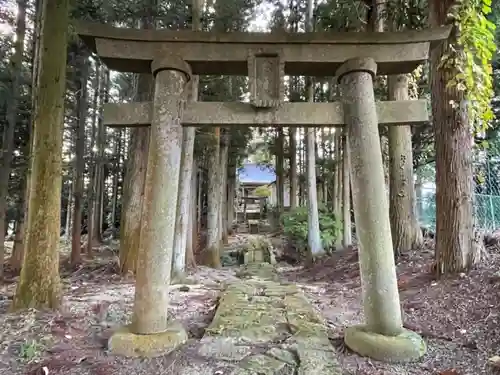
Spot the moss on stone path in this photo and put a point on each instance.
(264, 326)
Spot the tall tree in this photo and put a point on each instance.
(224, 154)
(192, 238)
(135, 176)
(453, 118)
(279, 145)
(212, 252)
(19, 249)
(92, 192)
(12, 118)
(39, 285)
(228, 15)
(99, 187)
(314, 237)
(117, 150)
(187, 165)
(78, 190)
(293, 178)
(375, 21)
(406, 233)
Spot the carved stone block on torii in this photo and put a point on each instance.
(266, 73)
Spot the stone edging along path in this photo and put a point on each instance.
(268, 327)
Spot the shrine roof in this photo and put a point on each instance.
(253, 173)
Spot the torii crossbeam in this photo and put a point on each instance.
(310, 54)
(411, 112)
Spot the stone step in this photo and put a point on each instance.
(252, 249)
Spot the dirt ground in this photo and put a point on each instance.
(457, 317)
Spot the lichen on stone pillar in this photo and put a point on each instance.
(151, 333)
(383, 336)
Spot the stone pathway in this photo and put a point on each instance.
(264, 327)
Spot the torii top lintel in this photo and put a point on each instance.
(311, 54)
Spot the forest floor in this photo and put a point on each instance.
(459, 318)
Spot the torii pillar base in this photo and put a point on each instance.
(126, 343)
(407, 346)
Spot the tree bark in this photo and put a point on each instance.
(280, 144)
(346, 190)
(135, 177)
(69, 211)
(12, 110)
(130, 227)
(211, 256)
(293, 167)
(453, 145)
(419, 207)
(114, 198)
(336, 175)
(185, 198)
(76, 243)
(339, 180)
(191, 241)
(406, 233)
(301, 166)
(16, 258)
(376, 23)
(39, 285)
(231, 195)
(199, 202)
(101, 157)
(314, 234)
(96, 213)
(22, 229)
(322, 170)
(224, 154)
(91, 193)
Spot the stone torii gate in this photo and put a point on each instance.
(354, 58)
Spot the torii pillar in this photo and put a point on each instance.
(151, 332)
(382, 337)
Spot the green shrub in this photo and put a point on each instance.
(30, 350)
(262, 191)
(295, 227)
